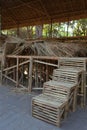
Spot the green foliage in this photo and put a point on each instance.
(81, 28)
(71, 28)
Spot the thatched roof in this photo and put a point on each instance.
(32, 12)
(50, 47)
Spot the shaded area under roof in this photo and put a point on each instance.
(17, 13)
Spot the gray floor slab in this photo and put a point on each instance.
(15, 114)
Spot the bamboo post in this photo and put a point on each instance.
(30, 75)
(75, 99)
(1, 77)
(47, 77)
(14, 73)
(36, 75)
(40, 75)
(23, 74)
(84, 78)
(82, 90)
(17, 77)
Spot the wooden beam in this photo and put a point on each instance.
(66, 13)
(44, 8)
(30, 6)
(11, 16)
(9, 78)
(45, 63)
(17, 6)
(34, 57)
(42, 57)
(23, 86)
(84, 5)
(12, 67)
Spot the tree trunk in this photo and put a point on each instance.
(39, 30)
(67, 28)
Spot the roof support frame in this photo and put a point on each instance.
(29, 6)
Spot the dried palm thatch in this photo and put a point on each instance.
(52, 48)
(17, 46)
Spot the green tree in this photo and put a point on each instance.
(81, 28)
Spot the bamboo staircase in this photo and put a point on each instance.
(61, 93)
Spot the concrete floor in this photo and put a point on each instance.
(15, 114)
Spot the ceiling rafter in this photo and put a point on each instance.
(69, 13)
(84, 4)
(55, 16)
(12, 18)
(45, 10)
(71, 5)
(25, 4)
(41, 11)
(29, 6)
(16, 6)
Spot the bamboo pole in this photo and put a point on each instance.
(14, 74)
(14, 66)
(9, 78)
(13, 81)
(34, 57)
(30, 75)
(36, 85)
(1, 77)
(45, 63)
(17, 75)
(44, 57)
(47, 77)
(84, 85)
(23, 74)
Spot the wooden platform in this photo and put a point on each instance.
(53, 105)
(48, 108)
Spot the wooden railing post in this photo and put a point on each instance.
(1, 74)
(47, 75)
(17, 75)
(30, 75)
